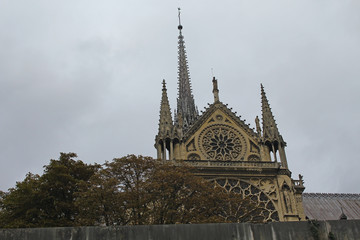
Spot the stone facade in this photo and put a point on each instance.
(226, 151)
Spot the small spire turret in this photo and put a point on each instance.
(165, 122)
(270, 130)
(164, 138)
(271, 136)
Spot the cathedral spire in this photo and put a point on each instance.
(165, 122)
(185, 103)
(270, 130)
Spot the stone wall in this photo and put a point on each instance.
(340, 230)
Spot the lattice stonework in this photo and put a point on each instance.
(221, 142)
(269, 212)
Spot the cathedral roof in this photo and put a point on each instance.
(331, 206)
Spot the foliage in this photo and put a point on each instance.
(59, 184)
(130, 190)
(113, 194)
(140, 190)
(47, 200)
(20, 207)
(177, 196)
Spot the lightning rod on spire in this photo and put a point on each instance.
(179, 27)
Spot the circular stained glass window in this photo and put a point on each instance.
(221, 142)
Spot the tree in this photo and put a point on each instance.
(130, 190)
(59, 183)
(178, 196)
(20, 206)
(115, 195)
(47, 200)
(100, 201)
(141, 190)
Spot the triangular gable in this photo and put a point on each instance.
(220, 135)
(232, 119)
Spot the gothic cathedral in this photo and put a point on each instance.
(226, 151)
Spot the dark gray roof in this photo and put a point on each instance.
(330, 206)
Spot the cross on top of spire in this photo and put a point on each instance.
(180, 26)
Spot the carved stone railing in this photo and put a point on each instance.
(232, 164)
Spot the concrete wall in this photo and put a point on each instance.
(340, 230)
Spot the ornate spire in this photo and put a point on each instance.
(270, 130)
(271, 133)
(165, 122)
(185, 102)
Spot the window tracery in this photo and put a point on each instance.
(221, 142)
(269, 212)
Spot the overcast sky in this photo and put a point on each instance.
(85, 76)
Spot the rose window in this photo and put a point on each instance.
(220, 142)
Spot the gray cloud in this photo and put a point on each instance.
(86, 77)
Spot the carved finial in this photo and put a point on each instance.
(164, 84)
(215, 90)
(301, 179)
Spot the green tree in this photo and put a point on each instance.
(59, 183)
(20, 206)
(141, 190)
(126, 191)
(101, 201)
(115, 195)
(47, 200)
(178, 196)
